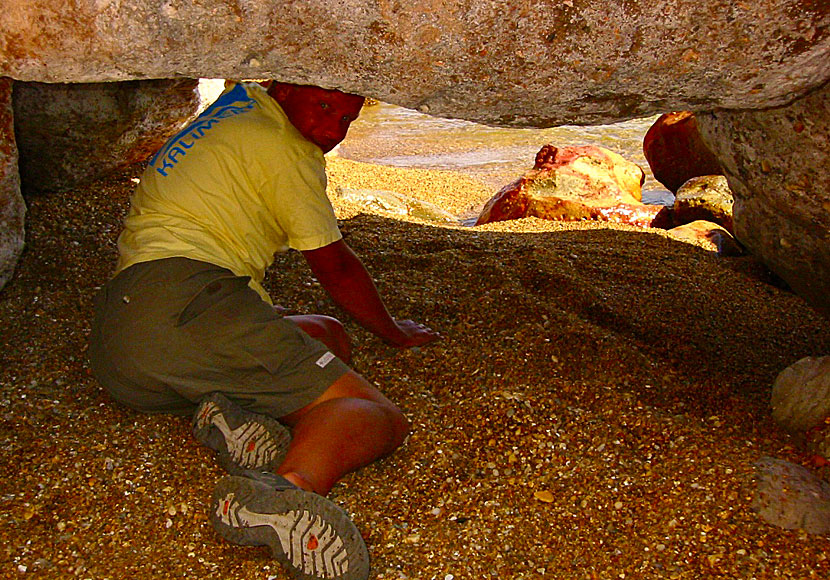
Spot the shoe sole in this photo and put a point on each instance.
(243, 440)
(308, 534)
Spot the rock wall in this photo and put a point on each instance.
(71, 134)
(515, 62)
(12, 208)
(776, 162)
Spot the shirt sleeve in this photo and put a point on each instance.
(296, 197)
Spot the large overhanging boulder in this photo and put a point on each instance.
(501, 62)
(511, 62)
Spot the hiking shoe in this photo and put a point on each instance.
(308, 534)
(243, 440)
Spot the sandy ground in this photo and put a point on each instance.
(593, 411)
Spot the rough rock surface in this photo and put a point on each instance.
(574, 184)
(397, 203)
(792, 497)
(776, 162)
(801, 395)
(706, 197)
(12, 208)
(675, 152)
(709, 236)
(71, 134)
(514, 62)
(818, 443)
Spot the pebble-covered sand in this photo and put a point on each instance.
(593, 411)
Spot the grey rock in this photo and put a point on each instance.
(801, 395)
(72, 134)
(12, 207)
(396, 203)
(791, 496)
(704, 198)
(776, 163)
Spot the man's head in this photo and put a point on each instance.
(322, 116)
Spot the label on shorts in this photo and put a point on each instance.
(324, 360)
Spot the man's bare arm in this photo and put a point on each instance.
(346, 280)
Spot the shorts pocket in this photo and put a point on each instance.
(211, 294)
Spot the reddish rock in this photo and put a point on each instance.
(12, 208)
(676, 153)
(574, 184)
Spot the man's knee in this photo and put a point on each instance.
(362, 395)
(341, 344)
(327, 330)
(383, 419)
(399, 425)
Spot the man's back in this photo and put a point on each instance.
(235, 186)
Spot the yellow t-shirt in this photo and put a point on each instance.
(234, 187)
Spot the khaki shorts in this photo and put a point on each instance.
(168, 332)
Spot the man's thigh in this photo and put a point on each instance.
(179, 330)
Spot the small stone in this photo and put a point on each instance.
(544, 496)
(801, 395)
(792, 497)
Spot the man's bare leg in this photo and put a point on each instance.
(327, 330)
(349, 426)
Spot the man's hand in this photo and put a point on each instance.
(416, 334)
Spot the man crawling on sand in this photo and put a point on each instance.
(186, 327)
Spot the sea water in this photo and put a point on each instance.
(391, 135)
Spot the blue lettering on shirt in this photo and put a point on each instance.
(234, 102)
